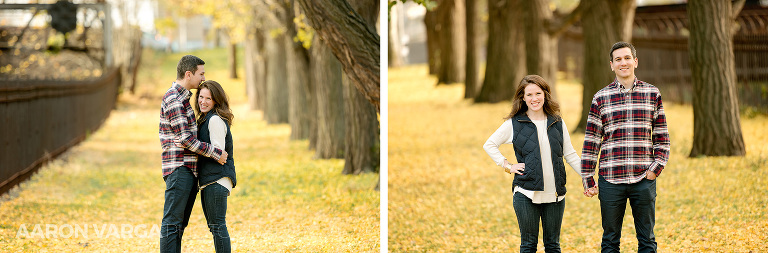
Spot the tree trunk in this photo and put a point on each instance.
(277, 80)
(361, 153)
(603, 24)
(450, 14)
(506, 56)
(250, 70)
(540, 56)
(217, 38)
(353, 41)
(716, 123)
(472, 67)
(299, 112)
(326, 71)
(433, 41)
(362, 133)
(255, 69)
(232, 60)
(312, 85)
(137, 52)
(395, 51)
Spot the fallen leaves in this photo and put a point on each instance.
(441, 182)
(285, 201)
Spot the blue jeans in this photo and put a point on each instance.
(528, 216)
(613, 203)
(214, 198)
(180, 194)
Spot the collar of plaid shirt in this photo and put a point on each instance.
(185, 94)
(621, 87)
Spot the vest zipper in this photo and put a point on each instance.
(550, 125)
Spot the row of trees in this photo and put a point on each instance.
(522, 37)
(311, 65)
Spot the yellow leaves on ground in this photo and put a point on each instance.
(446, 194)
(284, 201)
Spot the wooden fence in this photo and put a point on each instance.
(41, 119)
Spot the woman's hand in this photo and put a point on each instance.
(591, 192)
(517, 168)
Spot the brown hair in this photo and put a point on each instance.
(220, 100)
(551, 107)
(620, 45)
(188, 63)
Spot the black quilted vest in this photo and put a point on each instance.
(526, 143)
(210, 170)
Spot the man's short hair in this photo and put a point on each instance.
(618, 45)
(188, 63)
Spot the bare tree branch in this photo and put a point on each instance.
(555, 27)
(737, 6)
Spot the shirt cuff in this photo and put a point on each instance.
(588, 182)
(217, 152)
(655, 168)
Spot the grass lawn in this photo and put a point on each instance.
(447, 195)
(111, 184)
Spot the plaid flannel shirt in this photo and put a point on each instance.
(629, 131)
(178, 132)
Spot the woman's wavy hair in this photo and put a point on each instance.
(551, 107)
(220, 99)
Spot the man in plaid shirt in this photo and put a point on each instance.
(626, 126)
(178, 138)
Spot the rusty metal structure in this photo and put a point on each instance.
(660, 35)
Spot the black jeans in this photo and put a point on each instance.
(613, 203)
(528, 216)
(180, 194)
(214, 198)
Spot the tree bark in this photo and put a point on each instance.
(250, 70)
(277, 80)
(506, 56)
(353, 41)
(473, 66)
(394, 50)
(452, 41)
(255, 69)
(433, 41)
(313, 132)
(299, 112)
(603, 24)
(362, 133)
(232, 60)
(327, 73)
(361, 152)
(716, 122)
(298, 90)
(540, 56)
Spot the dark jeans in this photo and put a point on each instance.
(214, 198)
(180, 193)
(528, 215)
(613, 203)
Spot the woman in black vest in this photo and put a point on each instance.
(216, 180)
(541, 141)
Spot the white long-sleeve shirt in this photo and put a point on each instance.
(504, 134)
(218, 132)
